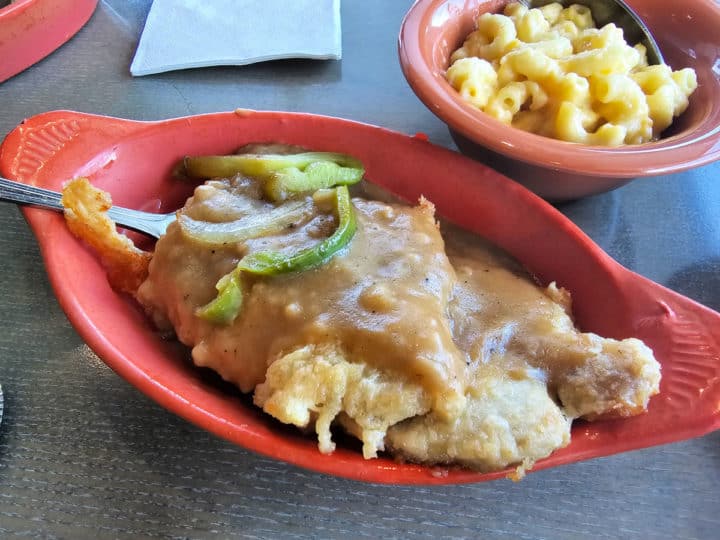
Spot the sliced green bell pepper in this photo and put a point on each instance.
(270, 263)
(260, 164)
(318, 175)
(226, 305)
(284, 175)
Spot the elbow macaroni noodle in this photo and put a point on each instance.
(552, 72)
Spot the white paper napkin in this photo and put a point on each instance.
(182, 34)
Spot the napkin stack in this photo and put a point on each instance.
(181, 34)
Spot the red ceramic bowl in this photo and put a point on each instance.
(32, 29)
(134, 161)
(687, 33)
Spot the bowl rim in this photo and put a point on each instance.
(655, 158)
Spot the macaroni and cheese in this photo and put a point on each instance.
(552, 72)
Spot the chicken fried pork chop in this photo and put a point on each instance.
(352, 313)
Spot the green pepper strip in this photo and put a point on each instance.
(318, 175)
(260, 164)
(226, 305)
(270, 263)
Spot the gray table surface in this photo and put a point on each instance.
(85, 455)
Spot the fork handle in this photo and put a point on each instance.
(20, 193)
(144, 222)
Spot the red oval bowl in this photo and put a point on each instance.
(134, 160)
(32, 29)
(687, 35)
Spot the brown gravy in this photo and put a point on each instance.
(396, 301)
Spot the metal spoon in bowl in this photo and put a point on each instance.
(618, 12)
(145, 222)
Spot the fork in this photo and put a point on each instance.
(145, 222)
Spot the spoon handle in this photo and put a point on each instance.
(618, 12)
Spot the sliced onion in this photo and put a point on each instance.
(252, 226)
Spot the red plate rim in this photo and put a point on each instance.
(54, 146)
